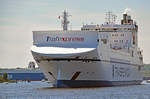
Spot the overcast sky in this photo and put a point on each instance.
(18, 18)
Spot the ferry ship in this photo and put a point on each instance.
(95, 56)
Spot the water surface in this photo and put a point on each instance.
(43, 90)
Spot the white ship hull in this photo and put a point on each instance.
(88, 74)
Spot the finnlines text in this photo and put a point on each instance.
(65, 39)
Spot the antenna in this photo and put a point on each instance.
(114, 18)
(110, 18)
(64, 20)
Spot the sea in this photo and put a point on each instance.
(44, 90)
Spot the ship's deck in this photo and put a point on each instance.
(60, 50)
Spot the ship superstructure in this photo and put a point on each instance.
(96, 55)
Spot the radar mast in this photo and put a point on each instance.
(110, 18)
(65, 20)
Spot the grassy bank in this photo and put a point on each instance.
(146, 70)
(6, 80)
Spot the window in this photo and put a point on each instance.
(121, 41)
(116, 34)
(122, 35)
(115, 40)
(115, 28)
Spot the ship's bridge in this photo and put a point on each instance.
(120, 36)
(109, 27)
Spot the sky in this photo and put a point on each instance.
(18, 18)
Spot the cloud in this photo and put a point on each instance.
(127, 11)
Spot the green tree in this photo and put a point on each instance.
(5, 76)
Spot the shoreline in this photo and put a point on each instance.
(2, 80)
